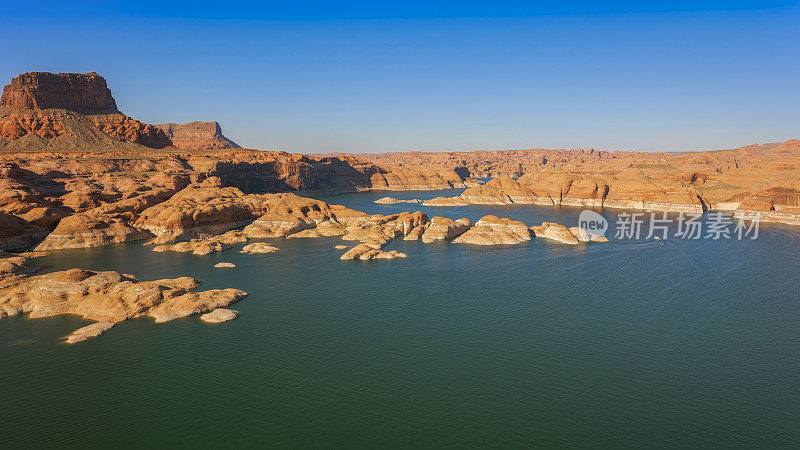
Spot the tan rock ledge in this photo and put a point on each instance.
(219, 315)
(392, 200)
(88, 332)
(366, 252)
(258, 247)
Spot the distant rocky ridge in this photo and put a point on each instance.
(756, 179)
(197, 135)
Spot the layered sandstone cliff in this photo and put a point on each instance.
(197, 135)
(42, 107)
(69, 111)
(754, 179)
(84, 92)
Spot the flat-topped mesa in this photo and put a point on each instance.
(84, 92)
(52, 105)
(197, 135)
(69, 112)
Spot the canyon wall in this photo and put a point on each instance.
(756, 177)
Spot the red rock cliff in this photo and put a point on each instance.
(65, 111)
(72, 91)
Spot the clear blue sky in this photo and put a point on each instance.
(316, 77)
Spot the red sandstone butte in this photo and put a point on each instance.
(72, 91)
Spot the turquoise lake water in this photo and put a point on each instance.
(691, 343)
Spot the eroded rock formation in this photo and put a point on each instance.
(197, 135)
(758, 178)
(258, 247)
(366, 252)
(392, 200)
(87, 92)
(560, 233)
(286, 214)
(205, 245)
(442, 228)
(91, 230)
(219, 315)
(493, 230)
(67, 111)
(12, 265)
(109, 298)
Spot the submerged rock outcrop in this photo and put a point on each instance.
(392, 200)
(555, 232)
(378, 230)
(89, 332)
(219, 315)
(366, 252)
(258, 247)
(205, 245)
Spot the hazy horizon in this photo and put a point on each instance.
(364, 78)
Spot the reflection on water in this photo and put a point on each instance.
(690, 343)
